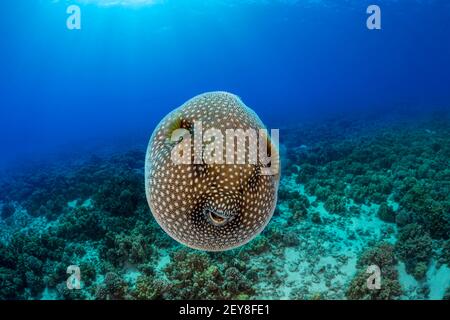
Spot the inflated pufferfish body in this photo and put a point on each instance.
(204, 205)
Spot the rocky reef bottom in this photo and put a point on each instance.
(354, 193)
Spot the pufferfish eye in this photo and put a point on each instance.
(211, 207)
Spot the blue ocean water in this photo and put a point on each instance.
(131, 64)
(364, 118)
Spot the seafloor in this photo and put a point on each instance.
(354, 192)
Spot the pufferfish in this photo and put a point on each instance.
(205, 205)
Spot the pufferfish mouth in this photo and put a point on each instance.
(217, 218)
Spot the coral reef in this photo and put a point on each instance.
(414, 247)
(386, 213)
(7, 210)
(335, 204)
(447, 294)
(351, 196)
(194, 275)
(382, 256)
(112, 288)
